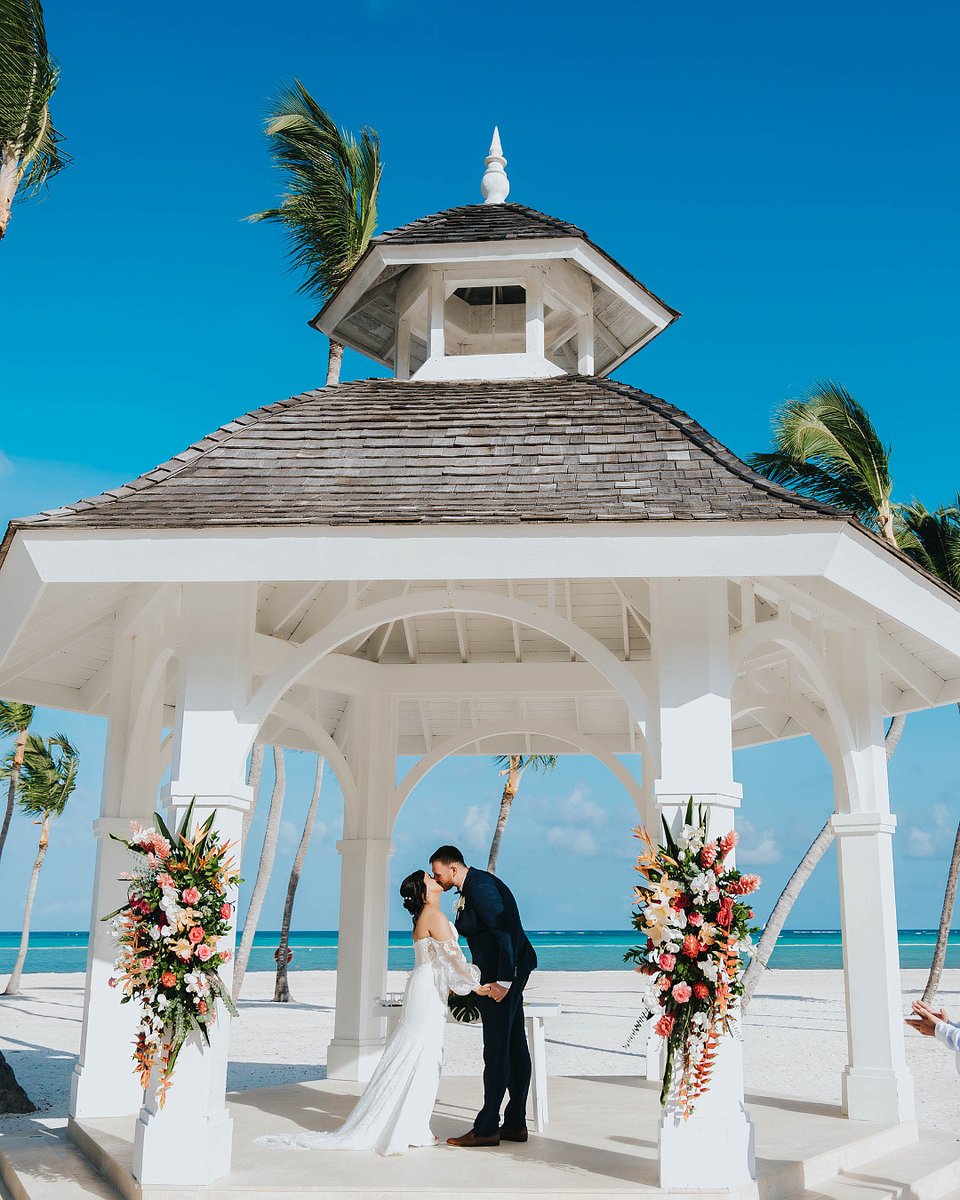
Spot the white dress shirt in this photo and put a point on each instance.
(949, 1033)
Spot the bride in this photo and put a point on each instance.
(394, 1111)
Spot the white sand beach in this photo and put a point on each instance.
(794, 1043)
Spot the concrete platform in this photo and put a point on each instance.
(601, 1141)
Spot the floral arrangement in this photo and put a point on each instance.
(167, 937)
(692, 912)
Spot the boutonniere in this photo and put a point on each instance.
(460, 905)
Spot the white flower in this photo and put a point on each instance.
(709, 969)
(700, 1019)
(162, 1002)
(702, 883)
(679, 918)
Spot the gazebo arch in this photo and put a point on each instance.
(468, 737)
(275, 685)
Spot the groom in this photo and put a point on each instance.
(487, 916)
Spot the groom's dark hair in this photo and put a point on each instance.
(447, 855)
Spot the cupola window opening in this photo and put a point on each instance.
(485, 318)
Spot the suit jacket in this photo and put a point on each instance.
(490, 921)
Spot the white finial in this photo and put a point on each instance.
(495, 186)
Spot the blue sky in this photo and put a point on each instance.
(784, 175)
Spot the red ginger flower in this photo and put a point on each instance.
(727, 842)
(708, 855)
(692, 946)
(744, 885)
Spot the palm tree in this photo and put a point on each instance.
(30, 152)
(329, 211)
(513, 766)
(264, 868)
(933, 540)
(48, 778)
(826, 447)
(254, 774)
(14, 722)
(281, 989)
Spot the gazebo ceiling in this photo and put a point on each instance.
(454, 671)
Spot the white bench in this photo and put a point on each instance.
(535, 1012)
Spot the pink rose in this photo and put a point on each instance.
(204, 952)
(667, 961)
(225, 911)
(190, 895)
(695, 919)
(111, 982)
(725, 912)
(663, 983)
(146, 963)
(664, 1026)
(196, 934)
(682, 992)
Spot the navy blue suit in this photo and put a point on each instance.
(490, 921)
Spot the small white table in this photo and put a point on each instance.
(535, 1012)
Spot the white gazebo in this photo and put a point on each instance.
(498, 547)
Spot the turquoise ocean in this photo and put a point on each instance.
(557, 950)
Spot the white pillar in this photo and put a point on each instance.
(104, 1083)
(358, 1035)
(877, 1086)
(188, 1141)
(693, 752)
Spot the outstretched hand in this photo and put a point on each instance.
(926, 1018)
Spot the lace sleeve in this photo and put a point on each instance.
(458, 975)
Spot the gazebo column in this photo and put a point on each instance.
(877, 1086)
(188, 1141)
(358, 1036)
(693, 749)
(104, 1083)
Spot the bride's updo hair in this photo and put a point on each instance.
(414, 893)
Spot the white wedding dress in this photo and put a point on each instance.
(394, 1111)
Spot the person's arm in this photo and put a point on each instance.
(935, 1023)
(489, 907)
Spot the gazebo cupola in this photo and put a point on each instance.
(492, 291)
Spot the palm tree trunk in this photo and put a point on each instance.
(334, 361)
(13, 983)
(264, 868)
(254, 773)
(9, 180)
(281, 988)
(788, 897)
(19, 747)
(506, 800)
(13, 1099)
(781, 910)
(946, 916)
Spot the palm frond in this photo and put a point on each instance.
(49, 775)
(28, 79)
(826, 447)
(932, 539)
(14, 717)
(329, 210)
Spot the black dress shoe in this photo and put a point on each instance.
(474, 1139)
(513, 1135)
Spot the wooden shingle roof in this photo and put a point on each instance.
(383, 451)
(481, 223)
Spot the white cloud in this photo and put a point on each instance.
(477, 827)
(920, 844)
(576, 809)
(573, 840)
(758, 847)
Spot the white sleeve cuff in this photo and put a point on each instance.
(505, 983)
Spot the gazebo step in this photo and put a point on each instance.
(927, 1170)
(46, 1166)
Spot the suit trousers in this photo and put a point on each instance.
(506, 1061)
